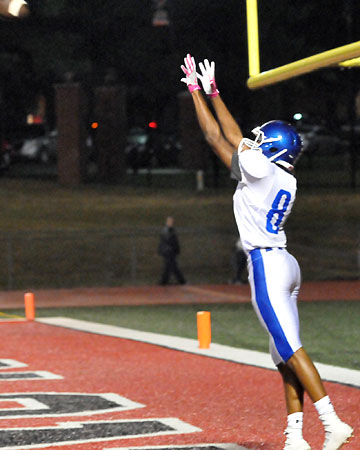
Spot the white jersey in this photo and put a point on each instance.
(262, 201)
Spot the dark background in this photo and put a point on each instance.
(89, 40)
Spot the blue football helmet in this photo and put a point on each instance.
(278, 141)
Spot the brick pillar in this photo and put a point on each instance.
(71, 124)
(195, 151)
(110, 113)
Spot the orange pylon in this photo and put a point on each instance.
(29, 306)
(204, 328)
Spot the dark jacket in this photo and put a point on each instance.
(169, 245)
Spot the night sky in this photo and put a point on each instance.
(88, 38)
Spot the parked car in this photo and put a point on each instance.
(319, 138)
(34, 143)
(138, 151)
(167, 152)
(349, 131)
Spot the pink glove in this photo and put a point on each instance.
(190, 71)
(208, 78)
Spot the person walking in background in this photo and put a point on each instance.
(169, 249)
(262, 202)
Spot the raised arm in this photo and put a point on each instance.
(230, 128)
(228, 124)
(211, 130)
(207, 121)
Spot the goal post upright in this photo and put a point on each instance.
(253, 37)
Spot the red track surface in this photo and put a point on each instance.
(151, 295)
(228, 401)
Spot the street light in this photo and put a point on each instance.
(14, 8)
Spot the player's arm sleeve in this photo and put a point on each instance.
(254, 164)
(235, 167)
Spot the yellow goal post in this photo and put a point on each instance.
(347, 56)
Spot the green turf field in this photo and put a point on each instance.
(330, 330)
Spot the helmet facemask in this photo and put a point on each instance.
(252, 144)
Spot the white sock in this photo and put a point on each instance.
(325, 410)
(295, 424)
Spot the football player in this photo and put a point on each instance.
(262, 202)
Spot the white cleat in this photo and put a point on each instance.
(295, 443)
(337, 435)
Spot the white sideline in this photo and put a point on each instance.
(238, 355)
(182, 447)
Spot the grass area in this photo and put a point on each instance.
(45, 205)
(40, 205)
(106, 235)
(330, 330)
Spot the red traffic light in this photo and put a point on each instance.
(153, 125)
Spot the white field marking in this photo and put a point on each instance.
(28, 404)
(40, 375)
(177, 425)
(124, 404)
(238, 355)
(11, 364)
(12, 319)
(189, 447)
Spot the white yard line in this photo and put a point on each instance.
(182, 447)
(238, 355)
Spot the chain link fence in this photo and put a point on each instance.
(66, 259)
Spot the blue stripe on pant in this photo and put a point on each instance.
(266, 310)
